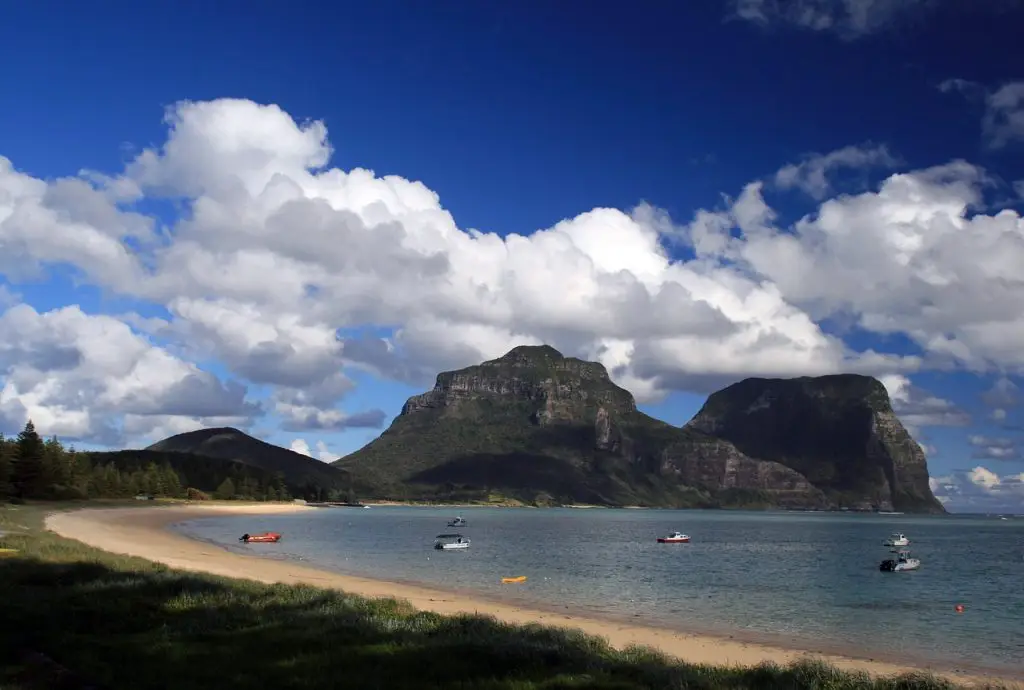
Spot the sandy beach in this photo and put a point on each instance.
(144, 532)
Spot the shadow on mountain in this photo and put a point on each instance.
(519, 475)
(548, 468)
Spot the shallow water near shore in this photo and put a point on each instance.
(803, 580)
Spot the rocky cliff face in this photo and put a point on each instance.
(839, 432)
(538, 426)
(560, 387)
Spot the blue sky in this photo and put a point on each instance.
(517, 118)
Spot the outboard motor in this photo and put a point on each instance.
(244, 537)
(887, 565)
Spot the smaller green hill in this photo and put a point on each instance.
(231, 445)
(196, 471)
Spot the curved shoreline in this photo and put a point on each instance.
(146, 532)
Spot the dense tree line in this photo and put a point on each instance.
(34, 468)
(216, 476)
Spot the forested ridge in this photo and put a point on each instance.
(34, 468)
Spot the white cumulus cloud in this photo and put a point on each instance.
(1003, 120)
(323, 453)
(993, 448)
(76, 374)
(277, 256)
(980, 490)
(812, 174)
(1004, 115)
(915, 257)
(1004, 393)
(917, 408)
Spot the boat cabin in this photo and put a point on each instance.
(897, 539)
(674, 538)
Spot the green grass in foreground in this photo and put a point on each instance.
(76, 617)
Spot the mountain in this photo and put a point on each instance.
(232, 445)
(539, 427)
(839, 431)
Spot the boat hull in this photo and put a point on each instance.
(895, 567)
(670, 540)
(268, 538)
(451, 547)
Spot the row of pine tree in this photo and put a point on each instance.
(32, 468)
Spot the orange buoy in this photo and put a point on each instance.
(959, 608)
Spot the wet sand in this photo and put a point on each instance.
(145, 532)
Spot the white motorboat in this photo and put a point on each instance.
(459, 521)
(448, 542)
(675, 538)
(902, 562)
(897, 539)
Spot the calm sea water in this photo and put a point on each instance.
(804, 579)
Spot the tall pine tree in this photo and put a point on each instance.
(29, 474)
(53, 462)
(6, 468)
(226, 490)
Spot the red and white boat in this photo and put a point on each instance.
(265, 538)
(675, 538)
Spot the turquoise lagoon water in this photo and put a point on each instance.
(807, 580)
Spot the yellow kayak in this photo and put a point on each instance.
(513, 580)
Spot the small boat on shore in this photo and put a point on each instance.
(897, 539)
(448, 542)
(458, 521)
(902, 562)
(675, 538)
(265, 538)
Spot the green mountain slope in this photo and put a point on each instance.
(230, 444)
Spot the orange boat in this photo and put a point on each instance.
(266, 537)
